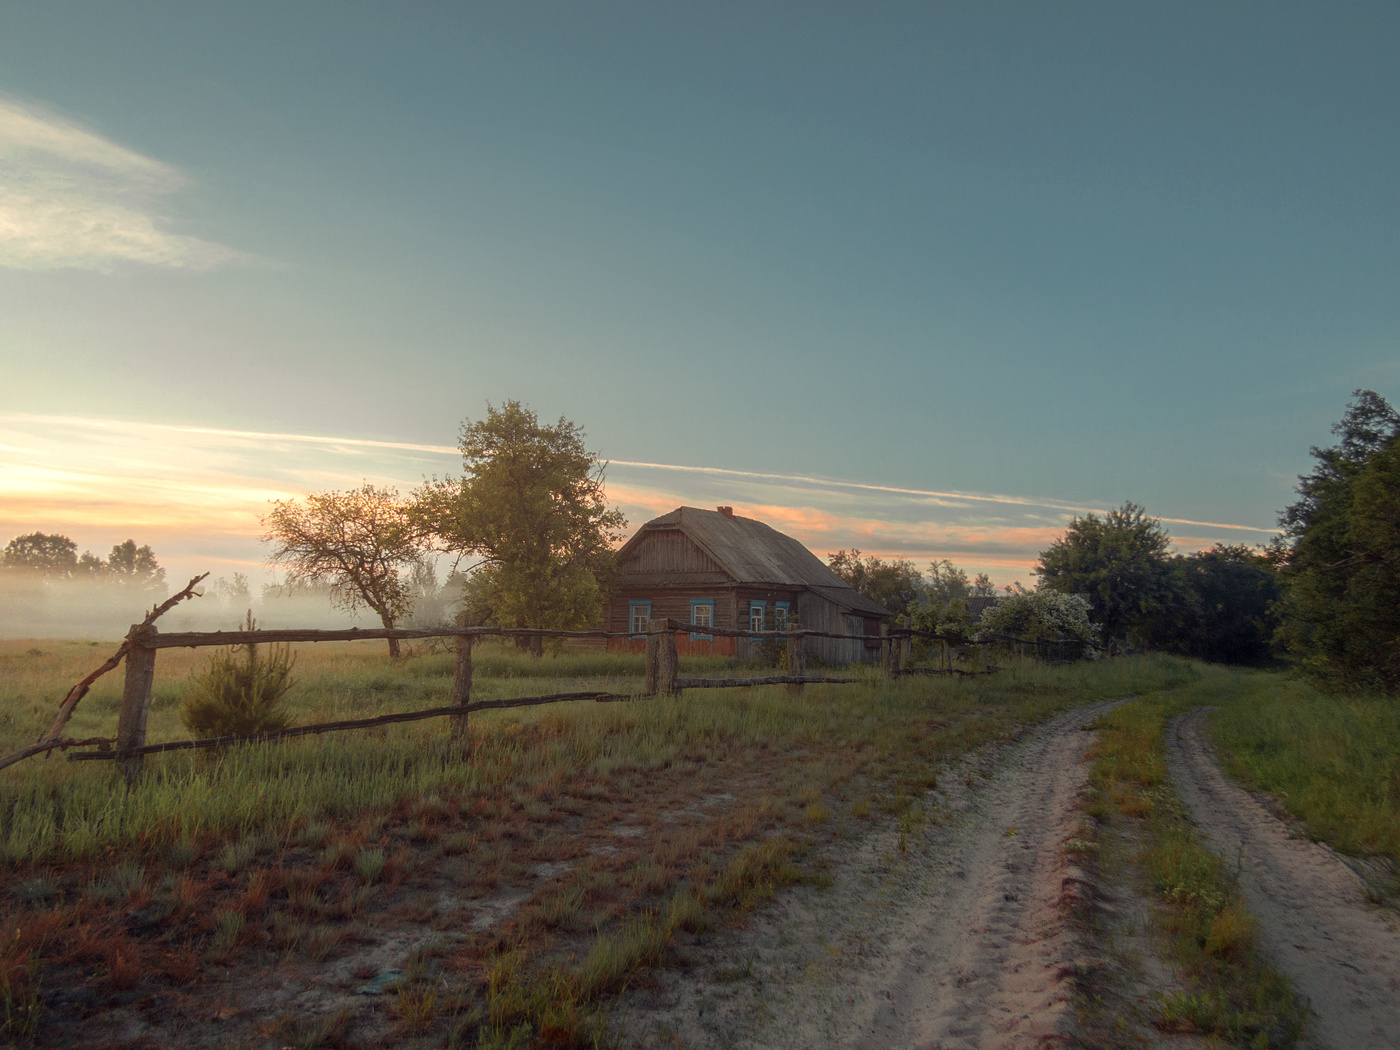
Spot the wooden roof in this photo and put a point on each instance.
(750, 552)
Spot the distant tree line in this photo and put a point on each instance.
(52, 556)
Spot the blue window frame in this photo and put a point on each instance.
(780, 615)
(756, 613)
(702, 614)
(638, 615)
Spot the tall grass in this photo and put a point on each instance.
(1333, 760)
(56, 810)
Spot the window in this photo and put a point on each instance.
(780, 616)
(639, 615)
(755, 616)
(702, 614)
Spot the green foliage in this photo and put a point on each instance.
(1119, 563)
(1041, 614)
(48, 555)
(241, 692)
(1225, 612)
(51, 556)
(1341, 610)
(531, 506)
(896, 584)
(1334, 760)
(358, 542)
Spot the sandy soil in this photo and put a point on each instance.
(959, 940)
(1314, 922)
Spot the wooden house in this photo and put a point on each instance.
(712, 567)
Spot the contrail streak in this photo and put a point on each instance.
(448, 450)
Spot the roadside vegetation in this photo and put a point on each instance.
(305, 852)
(1199, 919)
(1333, 760)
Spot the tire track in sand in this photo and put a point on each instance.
(1314, 923)
(988, 962)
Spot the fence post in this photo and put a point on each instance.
(886, 662)
(667, 663)
(136, 698)
(906, 651)
(462, 691)
(653, 658)
(796, 661)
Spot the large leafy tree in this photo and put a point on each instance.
(360, 543)
(531, 508)
(1341, 566)
(135, 566)
(1227, 612)
(896, 584)
(45, 554)
(1119, 563)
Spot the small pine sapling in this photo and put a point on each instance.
(241, 692)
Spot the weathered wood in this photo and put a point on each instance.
(796, 663)
(136, 697)
(334, 727)
(655, 629)
(462, 691)
(886, 652)
(194, 639)
(667, 665)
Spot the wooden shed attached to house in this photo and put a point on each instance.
(714, 568)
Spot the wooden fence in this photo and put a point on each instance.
(662, 676)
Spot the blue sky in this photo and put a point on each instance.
(1069, 254)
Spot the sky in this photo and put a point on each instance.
(922, 279)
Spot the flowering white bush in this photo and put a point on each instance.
(1041, 614)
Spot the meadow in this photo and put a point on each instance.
(220, 863)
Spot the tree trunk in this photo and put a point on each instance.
(388, 622)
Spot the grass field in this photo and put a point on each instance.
(1333, 760)
(301, 850)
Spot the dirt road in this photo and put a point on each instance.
(1314, 922)
(959, 941)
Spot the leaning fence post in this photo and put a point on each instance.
(462, 690)
(136, 697)
(653, 658)
(886, 663)
(796, 661)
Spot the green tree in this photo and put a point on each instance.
(531, 507)
(135, 566)
(1341, 562)
(982, 586)
(1227, 611)
(895, 584)
(361, 544)
(44, 554)
(1119, 563)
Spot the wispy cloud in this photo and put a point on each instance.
(197, 494)
(71, 198)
